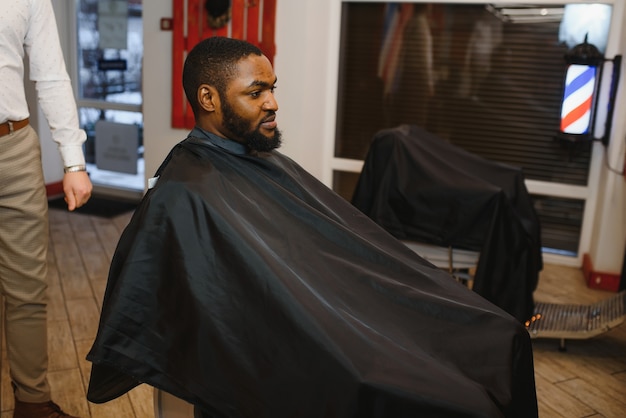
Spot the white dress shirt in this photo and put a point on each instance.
(29, 26)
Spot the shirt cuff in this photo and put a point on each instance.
(72, 155)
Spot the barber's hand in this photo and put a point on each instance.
(77, 188)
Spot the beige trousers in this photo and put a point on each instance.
(23, 252)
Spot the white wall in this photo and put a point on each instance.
(609, 232)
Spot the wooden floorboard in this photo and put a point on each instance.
(586, 380)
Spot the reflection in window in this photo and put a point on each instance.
(110, 74)
(110, 52)
(489, 79)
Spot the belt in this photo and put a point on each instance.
(12, 126)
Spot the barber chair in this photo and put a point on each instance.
(444, 202)
(461, 264)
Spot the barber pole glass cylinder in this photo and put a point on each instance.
(576, 110)
(579, 93)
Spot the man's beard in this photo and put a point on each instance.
(241, 130)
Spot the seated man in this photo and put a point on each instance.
(246, 287)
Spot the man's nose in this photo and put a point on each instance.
(270, 103)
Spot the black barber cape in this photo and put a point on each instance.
(422, 188)
(246, 287)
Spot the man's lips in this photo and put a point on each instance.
(269, 122)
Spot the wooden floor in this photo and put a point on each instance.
(587, 380)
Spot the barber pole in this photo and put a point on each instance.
(582, 79)
(580, 82)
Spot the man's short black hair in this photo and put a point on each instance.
(213, 61)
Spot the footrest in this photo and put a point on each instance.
(569, 321)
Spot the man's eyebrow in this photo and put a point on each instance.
(259, 83)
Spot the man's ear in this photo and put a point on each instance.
(208, 99)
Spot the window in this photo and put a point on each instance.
(109, 60)
(486, 78)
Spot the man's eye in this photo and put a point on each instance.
(255, 94)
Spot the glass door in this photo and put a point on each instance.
(109, 93)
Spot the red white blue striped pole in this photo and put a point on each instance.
(576, 110)
(579, 102)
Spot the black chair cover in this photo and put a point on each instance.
(420, 187)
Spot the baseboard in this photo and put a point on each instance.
(598, 279)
